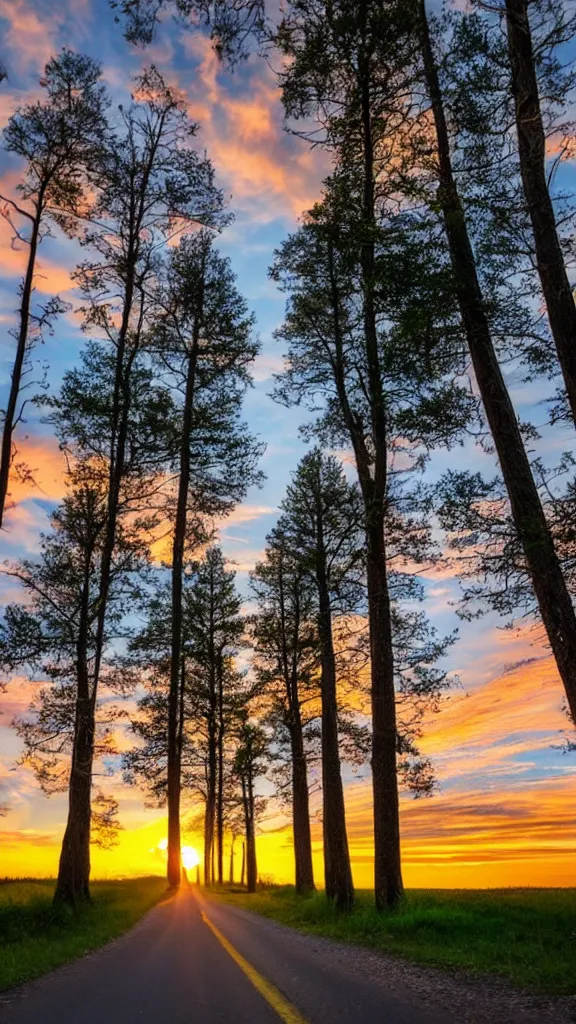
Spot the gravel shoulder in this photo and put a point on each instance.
(452, 994)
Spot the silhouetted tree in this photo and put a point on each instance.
(212, 696)
(249, 763)
(556, 26)
(203, 347)
(231, 23)
(57, 138)
(554, 602)
(323, 519)
(335, 73)
(149, 181)
(54, 632)
(284, 637)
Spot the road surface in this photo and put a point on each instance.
(190, 961)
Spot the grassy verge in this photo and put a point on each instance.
(525, 935)
(36, 937)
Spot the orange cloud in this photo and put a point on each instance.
(49, 279)
(520, 708)
(17, 698)
(268, 172)
(47, 466)
(517, 836)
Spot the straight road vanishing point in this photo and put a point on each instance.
(194, 962)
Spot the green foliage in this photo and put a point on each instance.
(284, 638)
(202, 335)
(105, 826)
(42, 635)
(526, 935)
(212, 634)
(58, 135)
(230, 22)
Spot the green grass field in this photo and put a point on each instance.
(35, 937)
(525, 935)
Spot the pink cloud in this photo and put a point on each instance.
(268, 172)
(30, 37)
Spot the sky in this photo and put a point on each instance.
(503, 813)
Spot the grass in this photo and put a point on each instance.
(35, 937)
(525, 935)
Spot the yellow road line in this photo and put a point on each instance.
(279, 1004)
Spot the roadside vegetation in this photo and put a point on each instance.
(37, 935)
(525, 935)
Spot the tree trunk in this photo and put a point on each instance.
(303, 866)
(10, 417)
(231, 874)
(243, 865)
(210, 806)
(208, 840)
(174, 751)
(388, 866)
(529, 518)
(337, 870)
(73, 883)
(251, 866)
(388, 885)
(304, 870)
(220, 794)
(210, 810)
(532, 153)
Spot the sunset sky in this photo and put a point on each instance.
(504, 810)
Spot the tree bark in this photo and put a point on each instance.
(549, 585)
(220, 793)
(251, 865)
(231, 872)
(337, 870)
(210, 808)
(208, 840)
(388, 884)
(304, 869)
(73, 882)
(303, 866)
(16, 379)
(388, 866)
(532, 154)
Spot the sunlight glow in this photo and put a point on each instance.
(190, 858)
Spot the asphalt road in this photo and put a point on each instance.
(195, 962)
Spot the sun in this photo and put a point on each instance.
(190, 858)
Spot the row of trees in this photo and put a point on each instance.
(431, 253)
(396, 280)
(149, 419)
(301, 705)
(220, 745)
(436, 242)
